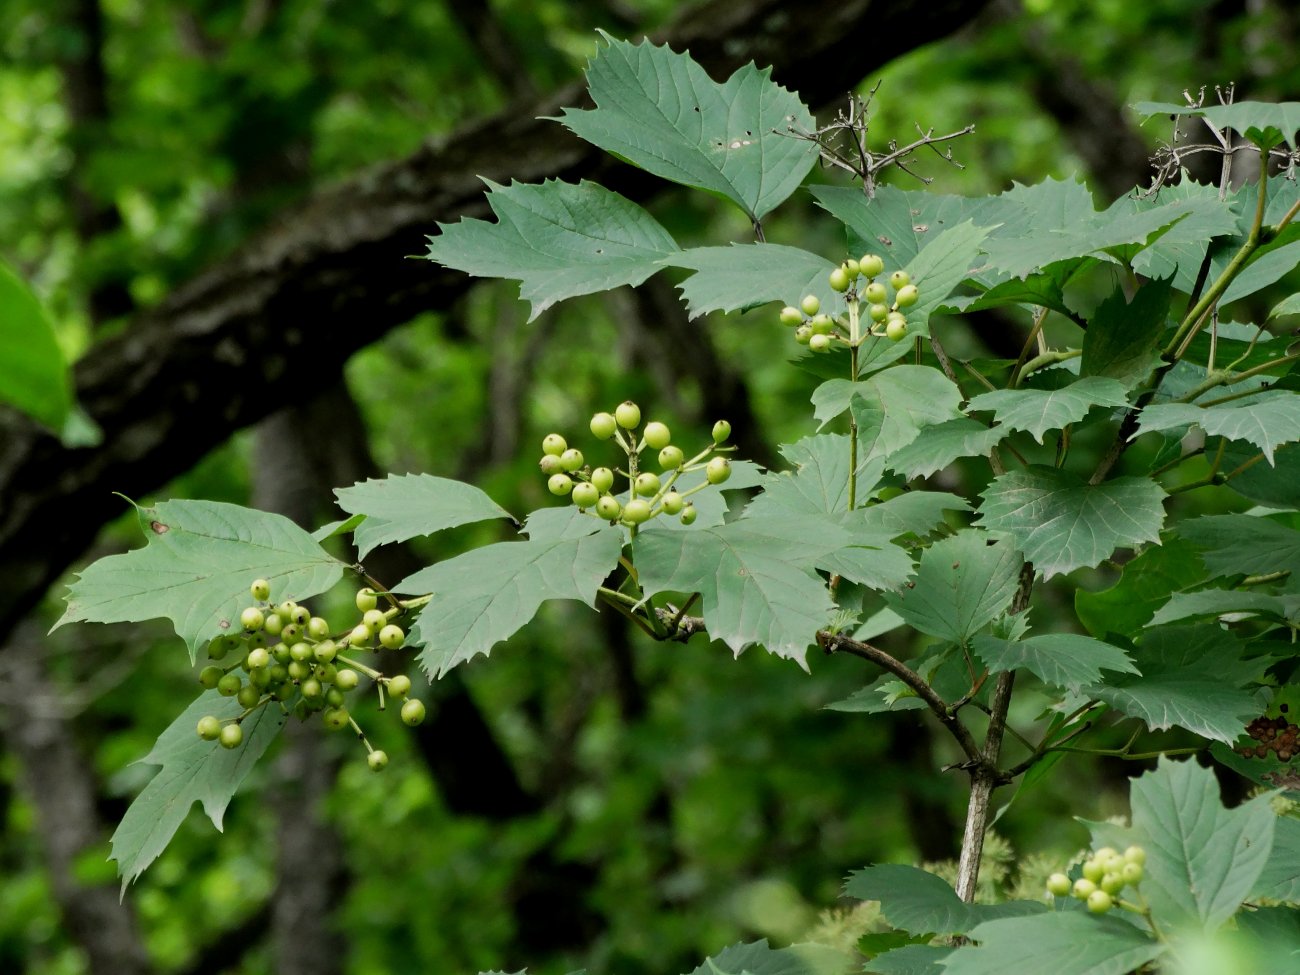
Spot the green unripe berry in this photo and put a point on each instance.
(326, 673)
(1083, 888)
(802, 334)
(899, 280)
(1105, 853)
(870, 265)
(819, 343)
(273, 625)
(603, 426)
(657, 435)
(366, 599)
(571, 460)
(1099, 902)
(347, 680)
(1135, 854)
(822, 324)
(810, 304)
(325, 651)
(1112, 883)
(719, 470)
(554, 444)
(391, 637)
(896, 330)
(298, 670)
(360, 635)
(229, 685)
(1058, 885)
(312, 688)
(671, 457)
(907, 296)
(248, 696)
(335, 718)
(689, 514)
(334, 697)
(258, 658)
(839, 279)
(399, 686)
(252, 619)
(791, 316)
(231, 735)
(209, 676)
(318, 628)
(878, 312)
(851, 267)
(377, 760)
(609, 508)
(585, 495)
(301, 615)
(291, 633)
(209, 728)
(258, 639)
(260, 590)
(221, 646)
(260, 677)
(1093, 870)
(647, 484)
(875, 293)
(636, 511)
(413, 712)
(1132, 873)
(560, 485)
(373, 618)
(603, 479)
(673, 503)
(721, 431)
(280, 653)
(628, 415)
(301, 651)
(279, 673)
(550, 464)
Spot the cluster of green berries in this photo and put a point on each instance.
(817, 330)
(284, 655)
(649, 494)
(1103, 876)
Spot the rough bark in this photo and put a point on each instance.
(61, 785)
(333, 274)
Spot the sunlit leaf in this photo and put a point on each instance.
(405, 506)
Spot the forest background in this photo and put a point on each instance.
(216, 201)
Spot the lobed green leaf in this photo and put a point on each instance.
(405, 506)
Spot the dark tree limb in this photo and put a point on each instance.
(331, 275)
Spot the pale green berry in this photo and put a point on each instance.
(1058, 885)
(721, 431)
(301, 651)
(366, 599)
(318, 628)
(335, 718)
(1083, 888)
(907, 296)
(609, 508)
(1135, 854)
(870, 265)
(822, 324)
(1132, 873)
(273, 624)
(802, 334)
(260, 590)
(248, 696)
(689, 514)
(231, 735)
(899, 280)
(851, 267)
(673, 503)
(602, 478)
(298, 670)
(560, 484)
(1099, 902)
(671, 458)
(209, 728)
(325, 651)
(875, 293)
(1093, 870)
(257, 658)
(373, 618)
(360, 635)
(377, 760)
(719, 470)
(627, 415)
(391, 637)
(346, 680)
(878, 312)
(839, 279)
(399, 686)
(647, 484)
(413, 711)
(657, 435)
(585, 495)
(554, 444)
(229, 685)
(636, 511)
(603, 426)
(896, 330)
(252, 619)
(810, 304)
(550, 464)
(571, 460)
(209, 676)
(819, 343)
(791, 316)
